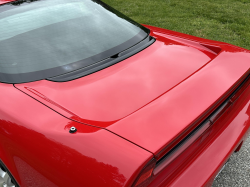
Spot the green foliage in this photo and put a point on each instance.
(227, 20)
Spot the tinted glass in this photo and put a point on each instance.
(51, 37)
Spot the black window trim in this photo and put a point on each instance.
(104, 63)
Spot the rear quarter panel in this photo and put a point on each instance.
(38, 149)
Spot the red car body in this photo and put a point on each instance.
(129, 114)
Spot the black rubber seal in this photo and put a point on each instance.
(104, 63)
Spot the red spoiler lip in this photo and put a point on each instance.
(161, 124)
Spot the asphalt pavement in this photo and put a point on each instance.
(236, 173)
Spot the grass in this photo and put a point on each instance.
(221, 20)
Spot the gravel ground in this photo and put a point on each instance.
(237, 170)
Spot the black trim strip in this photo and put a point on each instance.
(104, 63)
(162, 163)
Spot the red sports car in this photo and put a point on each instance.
(89, 97)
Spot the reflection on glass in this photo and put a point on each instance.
(53, 33)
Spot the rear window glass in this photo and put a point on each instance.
(52, 37)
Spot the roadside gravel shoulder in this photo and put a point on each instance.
(237, 170)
